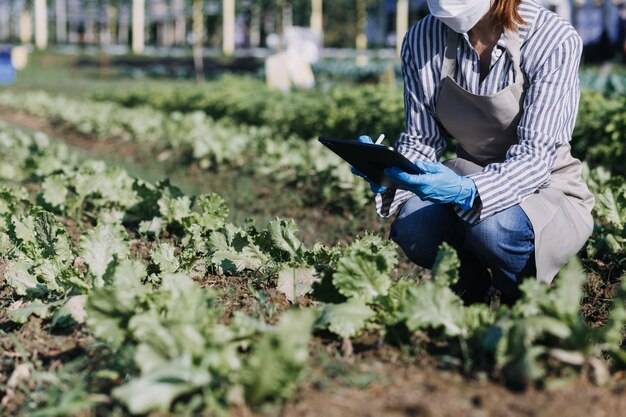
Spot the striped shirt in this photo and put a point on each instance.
(550, 55)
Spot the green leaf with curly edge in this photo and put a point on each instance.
(569, 291)
(157, 390)
(151, 227)
(375, 244)
(277, 362)
(346, 319)
(249, 258)
(296, 282)
(163, 255)
(49, 272)
(170, 331)
(213, 211)
(321, 254)
(526, 368)
(54, 190)
(233, 251)
(100, 246)
(521, 355)
(73, 311)
(283, 235)
(390, 305)
(562, 302)
(173, 205)
(362, 275)
(433, 306)
(14, 200)
(37, 308)
(24, 229)
(110, 308)
(17, 275)
(40, 238)
(446, 267)
(52, 237)
(105, 185)
(608, 206)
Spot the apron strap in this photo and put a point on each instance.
(513, 48)
(448, 68)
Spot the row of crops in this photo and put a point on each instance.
(149, 279)
(214, 133)
(339, 110)
(348, 112)
(197, 139)
(155, 119)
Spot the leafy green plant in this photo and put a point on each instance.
(342, 111)
(127, 276)
(322, 176)
(181, 349)
(609, 238)
(547, 325)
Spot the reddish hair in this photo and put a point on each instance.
(504, 13)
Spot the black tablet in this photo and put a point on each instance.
(371, 159)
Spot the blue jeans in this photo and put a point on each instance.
(503, 243)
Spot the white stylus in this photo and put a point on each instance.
(380, 139)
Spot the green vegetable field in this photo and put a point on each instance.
(168, 249)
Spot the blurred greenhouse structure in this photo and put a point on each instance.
(226, 25)
(256, 27)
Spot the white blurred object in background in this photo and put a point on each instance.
(303, 41)
(19, 57)
(293, 66)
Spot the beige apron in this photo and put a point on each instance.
(485, 128)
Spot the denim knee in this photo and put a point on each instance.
(505, 242)
(421, 227)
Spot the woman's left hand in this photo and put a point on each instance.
(438, 184)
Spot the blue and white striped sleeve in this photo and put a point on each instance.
(550, 108)
(422, 139)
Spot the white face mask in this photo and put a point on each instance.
(459, 15)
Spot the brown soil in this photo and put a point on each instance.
(400, 390)
(122, 148)
(33, 346)
(6, 297)
(600, 287)
(378, 382)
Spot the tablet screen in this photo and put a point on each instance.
(371, 159)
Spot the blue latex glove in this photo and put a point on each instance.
(373, 186)
(438, 184)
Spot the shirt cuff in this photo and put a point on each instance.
(481, 208)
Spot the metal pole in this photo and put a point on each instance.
(198, 32)
(228, 27)
(138, 26)
(61, 23)
(317, 22)
(5, 22)
(122, 31)
(361, 37)
(402, 23)
(26, 28)
(41, 24)
(255, 25)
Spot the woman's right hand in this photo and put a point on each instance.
(373, 186)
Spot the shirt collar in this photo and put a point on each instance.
(528, 11)
(500, 44)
